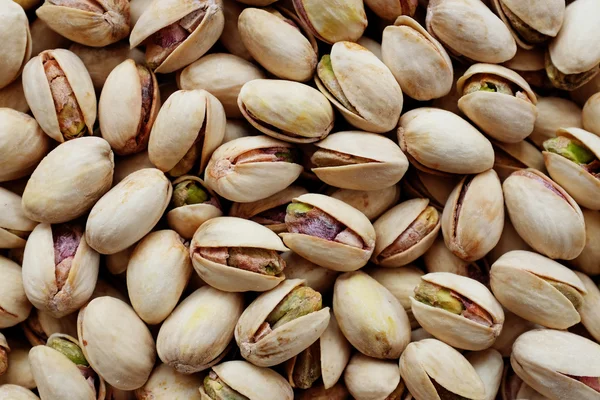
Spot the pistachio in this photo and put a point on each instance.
(14, 225)
(372, 203)
(16, 40)
(332, 21)
(553, 114)
(16, 392)
(40, 325)
(511, 157)
(586, 261)
(370, 378)
(14, 305)
(514, 388)
(337, 392)
(4, 350)
(514, 326)
(391, 9)
(510, 240)
(419, 184)
(165, 382)
(316, 277)
(583, 94)
(591, 115)
(230, 38)
(530, 64)
(489, 365)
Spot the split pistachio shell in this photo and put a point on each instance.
(16, 392)
(14, 225)
(460, 329)
(591, 301)
(157, 273)
(113, 224)
(554, 113)
(40, 325)
(591, 114)
(537, 289)
(316, 277)
(371, 379)
(428, 360)
(222, 75)
(230, 38)
(391, 9)
(251, 382)
(440, 141)
(24, 144)
(14, 306)
(160, 16)
(587, 261)
(511, 157)
(69, 181)
(328, 253)
(514, 326)
(505, 114)
(196, 335)
(437, 188)
(165, 383)
(286, 110)
(125, 363)
(419, 63)
(372, 203)
(487, 39)
(370, 102)
(473, 217)
(370, 317)
(557, 364)
(331, 20)
(509, 240)
(16, 41)
(283, 342)
(544, 214)
(489, 366)
(225, 232)
(405, 232)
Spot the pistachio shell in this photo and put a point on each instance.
(391, 9)
(489, 366)
(509, 240)
(16, 392)
(331, 20)
(137, 8)
(372, 203)
(514, 326)
(44, 38)
(16, 42)
(335, 353)
(117, 263)
(591, 114)
(12, 96)
(440, 259)
(372, 45)
(554, 113)
(166, 383)
(316, 277)
(591, 300)
(230, 38)
(14, 306)
(237, 128)
(436, 188)
(531, 60)
(587, 260)
(338, 392)
(583, 93)
(41, 325)
(511, 157)
(129, 164)
(370, 379)
(12, 218)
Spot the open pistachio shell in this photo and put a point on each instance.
(372, 203)
(166, 383)
(40, 325)
(372, 45)
(14, 225)
(418, 61)
(489, 365)
(369, 378)
(587, 260)
(554, 113)
(16, 41)
(511, 157)
(378, 162)
(591, 114)
(544, 214)
(537, 289)
(231, 232)
(316, 277)
(591, 301)
(196, 335)
(16, 392)
(331, 20)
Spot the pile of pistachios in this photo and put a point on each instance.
(299, 199)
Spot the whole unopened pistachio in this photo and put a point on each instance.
(489, 365)
(16, 41)
(369, 101)
(281, 323)
(372, 203)
(331, 20)
(369, 378)
(316, 277)
(554, 113)
(537, 289)
(4, 350)
(40, 325)
(177, 33)
(436, 188)
(16, 392)
(587, 260)
(14, 225)
(166, 383)
(511, 157)
(14, 305)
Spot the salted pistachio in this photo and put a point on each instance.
(12, 96)
(177, 33)
(371, 102)
(582, 94)
(370, 316)
(223, 75)
(332, 21)
(372, 203)
(269, 212)
(14, 305)
(359, 161)
(252, 168)
(511, 157)
(486, 40)
(537, 289)
(369, 378)
(328, 232)
(391, 9)
(15, 227)
(573, 57)
(61, 371)
(237, 255)
(405, 232)
(16, 392)
(419, 184)
(337, 392)
(187, 130)
(166, 383)
(554, 113)
(464, 151)
(499, 101)
(240, 380)
(40, 325)
(418, 61)
(544, 214)
(555, 363)
(587, 260)
(281, 323)
(513, 387)
(424, 369)
(16, 41)
(60, 92)
(473, 217)
(489, 365)
(230, 38)
(4, 350)
(193, 203)
(128, 107)
(286, 110)
(316, 277)
(530, 64)
(114, 223)
(591, 114)
(440, 259)
(197, 333)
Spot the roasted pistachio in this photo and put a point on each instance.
(16, 41)
(582, 94)
(332, 21)
(316, 277)
(19, 368)
(369, 378)
(513, 387)
(554, 113)
(40, 325)
(514, 326)
(372, 203)
(391, 9)
(591, 299)
(16, 392)
(437, 188)
(166, 383)
(509, 240)
(489, 365)
(586, 261)
(591, 114)
(530, 64)
(338, 392)
(15, 227)
(511, 157)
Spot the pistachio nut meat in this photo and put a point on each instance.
(91, 23)
(571, 159)
(237, 255)
(418, 61)
(544, 214)
(370, 316)
(197, 333)
(40, 325)
(15, 227)
(359, 161)
(405, 232)
(233, 380)
(128, 106)
(192, 204)
(60, 93)
(286, 110)
(316, 277)
(557, 364)
(275, 40)
(554, 113)
(371, 378)
(252, 168)
(372, 203)
(499, 101)
(511, 157)
(371, 102)
(4, 350)
(586, 261)
(328, 232)
(188, 129)
(489, 365)
(591, 114)
(573, 57)
(437, 188)
(464, 151)
(16, 41)
(61, 371)
(14, 305)
(281, 323)
(332, 21)
(165, 382)
(457, 310)
(16, 392)
(116, 342)
(538, 289)
(589, 317)
(424, 369)
(473, 218)
(177, 33)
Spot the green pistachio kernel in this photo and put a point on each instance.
(570, 149)
(298, 208)
(189, 192)
(439, 297)
(71, 350)
(216, 389)
(299, 302)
